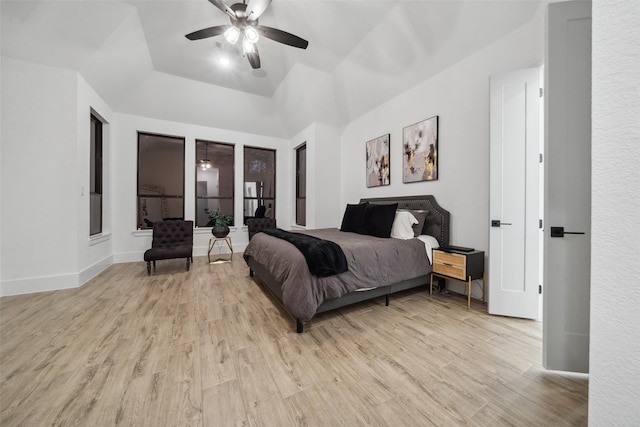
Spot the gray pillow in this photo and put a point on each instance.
(421, 216)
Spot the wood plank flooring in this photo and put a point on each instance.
(209, 347)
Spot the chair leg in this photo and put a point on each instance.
(148, 268)
(188, 263)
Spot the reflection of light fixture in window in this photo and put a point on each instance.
(205, 163)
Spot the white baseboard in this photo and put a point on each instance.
(123, 257)
(31, 285)
(67, 281)
(95, 269)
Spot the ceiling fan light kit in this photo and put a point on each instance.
(247, 46)
(244, 21)
(232, 34)
(251, 34)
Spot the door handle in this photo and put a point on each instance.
(559, 232)
(497, 223)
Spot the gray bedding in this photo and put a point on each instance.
(372, 261)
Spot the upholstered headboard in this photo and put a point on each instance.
(438, 221)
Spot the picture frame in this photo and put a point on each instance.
(420, 151)
(377, 164)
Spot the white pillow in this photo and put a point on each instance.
(430, 243)
(402, 225)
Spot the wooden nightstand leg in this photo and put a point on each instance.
(469, 293)
(431, 285)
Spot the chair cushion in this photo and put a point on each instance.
(155, 254)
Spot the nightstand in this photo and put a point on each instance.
(463, 266)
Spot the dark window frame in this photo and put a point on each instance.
(96, 169)
(301, 217)
(140, 224)
(262, 201)
(233, 178)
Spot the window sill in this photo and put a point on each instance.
(196, 230)
(142, 233)
(207, 230)
(99, 238)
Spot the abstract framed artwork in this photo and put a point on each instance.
(420, 149)
(378, 161)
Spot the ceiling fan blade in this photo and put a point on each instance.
(207, 32)
(254, 58)
(255, 8)
(223, 7)
(283, 37)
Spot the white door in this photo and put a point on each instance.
(514, 194)
(567, 278)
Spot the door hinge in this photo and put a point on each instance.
(539, 223)
(541, 157)
(540, 289)
(541, 92)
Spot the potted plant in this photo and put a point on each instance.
(220, 223)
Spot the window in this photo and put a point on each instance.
(259, 183)
(160, 178)
(301, 185)
(214, 180)
(95, 178)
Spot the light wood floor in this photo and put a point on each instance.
(210, 348)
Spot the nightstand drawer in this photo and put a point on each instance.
(456, 272)
(451, 259)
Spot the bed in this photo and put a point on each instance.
(281, 268)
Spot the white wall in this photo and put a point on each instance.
(167, 97)
(460, 97)
(39, 175)
(129, 244)
(323, 175)
(94, 252)
(45, 170)
(614, 382)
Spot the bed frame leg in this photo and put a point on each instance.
(250, 273)
(299, 326)
(386, 300)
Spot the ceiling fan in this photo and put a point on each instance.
(244, 22)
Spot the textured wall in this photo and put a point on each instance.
(615, 336)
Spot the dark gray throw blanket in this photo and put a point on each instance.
(324, 257)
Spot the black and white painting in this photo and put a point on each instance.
(378, 161)
(420, 149)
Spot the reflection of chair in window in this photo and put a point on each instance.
(269, 212)
(152, 208)
(259, 213)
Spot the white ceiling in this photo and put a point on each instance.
(361, 52)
